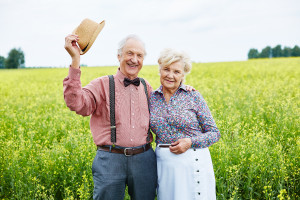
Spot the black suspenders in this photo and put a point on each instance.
(112, 107)
(146, 92)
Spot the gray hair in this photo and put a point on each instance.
(170, 56)
(123, 42)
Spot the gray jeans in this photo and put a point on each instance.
(113, 171)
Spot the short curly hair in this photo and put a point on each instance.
(169, 56)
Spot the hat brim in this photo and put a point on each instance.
(93, 38)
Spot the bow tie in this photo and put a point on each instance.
(135, 82)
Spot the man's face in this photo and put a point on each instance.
(131, 60)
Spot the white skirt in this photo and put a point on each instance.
(186, 176)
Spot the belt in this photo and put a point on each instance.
(127, 151)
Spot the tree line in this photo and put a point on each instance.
(269, 52)
(15, 59)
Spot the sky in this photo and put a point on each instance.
(208, 30)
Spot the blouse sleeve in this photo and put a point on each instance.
(210, 132)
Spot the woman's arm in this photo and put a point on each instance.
(210, 132)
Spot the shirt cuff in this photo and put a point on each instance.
(194, 143)
(74, 73)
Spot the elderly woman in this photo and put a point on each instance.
(184, 129)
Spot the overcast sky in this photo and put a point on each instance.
(208, 30)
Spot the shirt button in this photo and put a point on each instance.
(132, 90)
(132, 101)
(197, 170)
(198, 182)
(131, 140)
(132, 126)
(132, 113)
(196, 159)
(198, 193)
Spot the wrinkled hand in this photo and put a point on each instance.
(181, 145)
(73, 49)
(71, 46)
(190, 88)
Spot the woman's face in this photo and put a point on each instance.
(172, 75)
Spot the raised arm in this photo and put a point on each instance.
(78, 99)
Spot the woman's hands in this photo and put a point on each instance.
(73, 49)
(181, 145)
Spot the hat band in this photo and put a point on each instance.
(85, 47)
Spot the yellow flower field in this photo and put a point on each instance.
(47, 150)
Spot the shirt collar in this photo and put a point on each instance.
(120, 75)
(182, 87)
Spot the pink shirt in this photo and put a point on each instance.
(131, 108)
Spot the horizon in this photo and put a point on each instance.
(148, 65)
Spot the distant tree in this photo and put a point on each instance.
(253, 53)
(2, 62)
(266, 52)
(286, 52)
(276, 51)
(15, 59)
(296, 51)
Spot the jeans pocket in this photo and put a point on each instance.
(95, 162)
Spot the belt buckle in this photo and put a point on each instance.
(126, 153)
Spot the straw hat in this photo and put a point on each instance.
(87, 31)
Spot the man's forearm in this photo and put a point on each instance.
(75, 63)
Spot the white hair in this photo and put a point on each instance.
(170, 56)
(123, 42)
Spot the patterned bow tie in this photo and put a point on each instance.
(135, 82)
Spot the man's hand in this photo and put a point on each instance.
(73, 49)
(190, 88)
(181, 145)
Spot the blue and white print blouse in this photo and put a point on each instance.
(186, 115)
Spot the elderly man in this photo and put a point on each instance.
(126, 157)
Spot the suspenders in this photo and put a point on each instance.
(112, 107)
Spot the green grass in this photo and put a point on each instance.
(47, 150)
